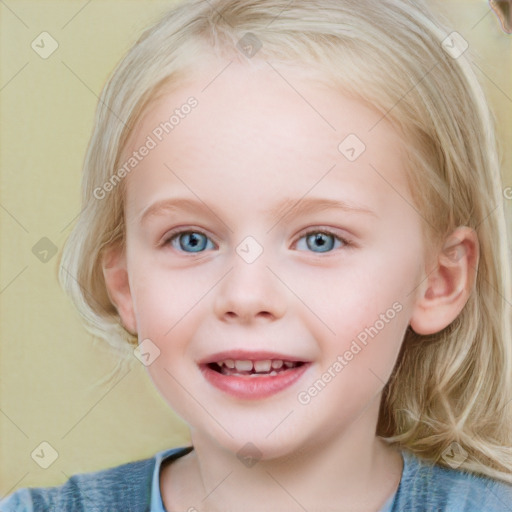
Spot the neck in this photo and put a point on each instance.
(349, 470)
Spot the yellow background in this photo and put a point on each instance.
(51, 368)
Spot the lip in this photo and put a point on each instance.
(252, 388)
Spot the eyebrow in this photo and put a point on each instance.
(312, 205)
(299, 206)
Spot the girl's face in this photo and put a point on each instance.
(273, 256)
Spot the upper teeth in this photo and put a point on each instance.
(245, 365)
(262, 366)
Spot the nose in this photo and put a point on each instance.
(250, 292)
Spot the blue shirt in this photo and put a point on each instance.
(135, 487)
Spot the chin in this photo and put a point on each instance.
(251, 446)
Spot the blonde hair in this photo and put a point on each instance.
(453, 386)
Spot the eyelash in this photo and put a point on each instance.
(346, 244)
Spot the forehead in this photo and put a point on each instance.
(263, 130)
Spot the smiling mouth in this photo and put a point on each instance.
(254, 368)
(252, 376)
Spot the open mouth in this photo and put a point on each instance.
(258, 368)
(252, 375)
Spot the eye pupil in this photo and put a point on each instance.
(193, 239)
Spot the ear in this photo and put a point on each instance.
(447, 288)
(115, 273)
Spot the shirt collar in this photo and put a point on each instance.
(157, 504)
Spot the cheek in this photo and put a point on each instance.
(342, 301)
(163, 297)
(169, 309)
(368, 309)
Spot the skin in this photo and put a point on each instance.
(251, 142)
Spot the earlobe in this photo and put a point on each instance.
(115, 273)
(447, 288)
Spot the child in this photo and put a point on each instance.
(337, 333)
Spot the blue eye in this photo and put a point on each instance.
(318, 241)
(189, 241)
(322, 240)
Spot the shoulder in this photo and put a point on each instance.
(430, 487)
(128, 486)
